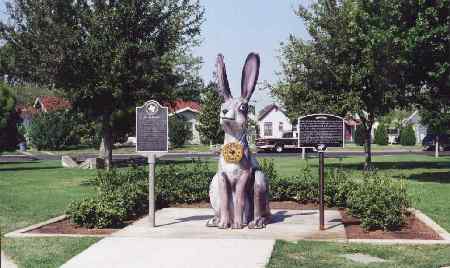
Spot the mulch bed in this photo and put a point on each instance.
(65, 227)
(414, 229)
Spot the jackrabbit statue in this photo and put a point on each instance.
(239, 192)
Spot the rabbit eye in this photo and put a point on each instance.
(243, 107)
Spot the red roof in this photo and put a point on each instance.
(52, 103)
(182, 104)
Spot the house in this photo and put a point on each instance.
(41, 104)
(189, 110)
(273, 122)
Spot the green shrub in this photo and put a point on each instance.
(180, 131)
(52, 130)
(338, 186)
(359, 135)
(381, 135)
(9, 136)
(407, 136)
(123, 195)
(268, 168)
(379, 202)
(301, 188)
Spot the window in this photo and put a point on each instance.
(280, 127)
(267, 129)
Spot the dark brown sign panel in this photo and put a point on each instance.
(151, 127)
(321, 129)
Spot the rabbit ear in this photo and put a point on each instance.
(250, 74)
(224, 88)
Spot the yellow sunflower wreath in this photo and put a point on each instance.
(233, 152)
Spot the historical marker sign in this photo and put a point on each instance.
(151, 128)
(321, 129)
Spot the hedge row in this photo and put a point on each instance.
(379, 201)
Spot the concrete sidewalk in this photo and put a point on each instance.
(181, 239)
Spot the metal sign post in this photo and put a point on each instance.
(321, 150)
(152, 142)
(321, 131)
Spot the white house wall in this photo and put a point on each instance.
(191, 117)
(275, 116)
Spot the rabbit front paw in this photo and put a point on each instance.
(237, 225)
(257, 223)
(224, 224)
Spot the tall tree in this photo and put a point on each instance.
(349, 64)
(8, 119)
(106, 56)
(209, 118)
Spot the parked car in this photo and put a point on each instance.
(429, 142)
(288, 141)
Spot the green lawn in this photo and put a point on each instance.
(377, 148)
(80, 150)
(329, 255)
(36, 191)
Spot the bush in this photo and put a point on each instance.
(9, 136)
(52, 130)
(359, 135)
(379, 202)
(407, 136)
(180, 131)
(381, 135)
(123, 195)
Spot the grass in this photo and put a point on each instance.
(377, 148)
(33, 192)
(428, 181)
(81, 150)
(36, 191)
(323, 254)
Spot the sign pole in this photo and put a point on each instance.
(321, 191)
(151, 189)
(321, 131)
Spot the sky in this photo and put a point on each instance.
(236, 28)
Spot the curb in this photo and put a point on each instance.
(23, 232)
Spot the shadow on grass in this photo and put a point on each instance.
(393, 165)
(27, 168)
(441, 177)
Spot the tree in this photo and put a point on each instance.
(407, 136)
(106, 56)
(179, 130)
(437, 119)
(381, 135)
(8, 119)
(209, 117)
(349, 65)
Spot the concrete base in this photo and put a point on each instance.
(191, 223)
(181, 239)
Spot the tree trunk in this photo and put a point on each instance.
(436, 147)
(106, 144)
(368, 143)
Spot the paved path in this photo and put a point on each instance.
(5, 262)
(181, 239)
